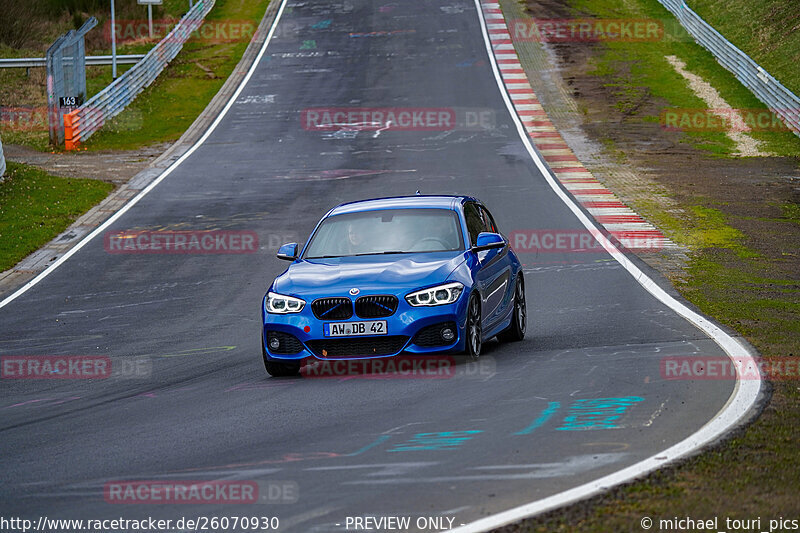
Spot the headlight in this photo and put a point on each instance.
(282, 304)
(441, 295)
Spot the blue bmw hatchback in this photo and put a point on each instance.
(416, 275)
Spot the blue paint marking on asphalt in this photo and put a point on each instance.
(445, 440)
(377, 441)
(322, 24)
(600, 413)
(544, 417)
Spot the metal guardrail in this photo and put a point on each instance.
(31, 62)
(764, 86)
(84, 121)
(2, 160)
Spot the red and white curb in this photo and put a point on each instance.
(620, 220)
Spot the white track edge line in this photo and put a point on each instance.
(740, 402)
(133, 201)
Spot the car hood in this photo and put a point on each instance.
(369, 274)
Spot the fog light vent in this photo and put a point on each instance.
(447, 334)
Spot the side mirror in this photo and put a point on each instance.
(488, 241)
(288, 252)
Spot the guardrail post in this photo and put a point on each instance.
(2, 160)
(70, 142)
(55, 86)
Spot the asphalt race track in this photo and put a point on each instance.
(581, 397)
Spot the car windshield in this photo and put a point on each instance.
(386, 231)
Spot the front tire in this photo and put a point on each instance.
(473, 329)
(276, 369)
(516, 330)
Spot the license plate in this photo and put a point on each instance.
(346, 329)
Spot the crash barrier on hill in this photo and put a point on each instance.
(84, 121)
(764, 86)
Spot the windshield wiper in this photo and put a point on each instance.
(358, 255)
(381, 253)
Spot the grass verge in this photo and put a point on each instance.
(766, 31)
(36, 206)
(638, 71)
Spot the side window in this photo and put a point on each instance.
(489, 221)
(475, 223)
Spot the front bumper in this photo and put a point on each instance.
(410, 330)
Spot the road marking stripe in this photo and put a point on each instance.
(618, 219)
(552, 407)
(559, 157)
(607, 211)
(605, 204)
(572, 169)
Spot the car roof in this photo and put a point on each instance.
(402, 202)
